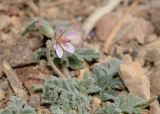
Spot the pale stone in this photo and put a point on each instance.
(2, 94)
(135, 80)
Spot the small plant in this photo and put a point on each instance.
(70, 95)
(73, 96)
(59, 50)
(17, 106)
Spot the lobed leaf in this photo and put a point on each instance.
(106, 77)
(17, 106)
(73, 61)
(41, 25)
(87, 54)
(65, 96)
(122, 105)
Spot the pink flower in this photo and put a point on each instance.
(62, 41)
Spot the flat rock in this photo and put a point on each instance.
(140, 29)
(155, 108)
(135, 79)
(32, 75)
(18, 51)
(106, 24)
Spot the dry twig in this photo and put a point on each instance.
(108, 41)
(96, 15)
(15, 83)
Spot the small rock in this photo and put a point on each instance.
(34, 101)
(145, 112)
(5, 21)
(19, 51)
(141, 54)
(135, 79)
(43, 111)
(32, 75)
(127, 58)
(106, 24)
(95, 104)
(155, 108)
(151, 38)
(155, 14)
(154, 78)
(153, 56)
(140, 30)
(2, 94)
(52, 11)
(4, 85)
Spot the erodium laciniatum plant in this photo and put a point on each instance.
(59, 50)
(70, 95)
(59, 39)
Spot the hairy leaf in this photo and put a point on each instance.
(88, 85)
(30, 26)
(41, 52)
(73, 61)
(87, 54)
(122, 105)
(109, 108)
(105, 76)
(65, 97)
(17, 106)
(41, 25)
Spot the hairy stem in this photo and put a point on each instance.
(66, 71)
(57, 71)
(36, 88)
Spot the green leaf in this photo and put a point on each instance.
(73, 61)
(46, 29)
(41, 52)
(87, 54)
(41, 25)
(88, 85)
(122, 105)
(30, 26)
(105, 76)
(17, 106)
(64, 96)
(128, 104)
(109, 108)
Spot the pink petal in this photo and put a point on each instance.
(70, 35)
(68, 47)
(59, 30)
(59, 50)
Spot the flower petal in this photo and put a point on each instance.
(59, 50)
(68, 47)
(59, 30)
(70, 35)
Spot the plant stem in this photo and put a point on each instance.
(36, 88)
(146, 103)
(57, 71)
(66, 71)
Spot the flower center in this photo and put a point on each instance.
(61, 40)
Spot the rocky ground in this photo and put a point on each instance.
(128, 32)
